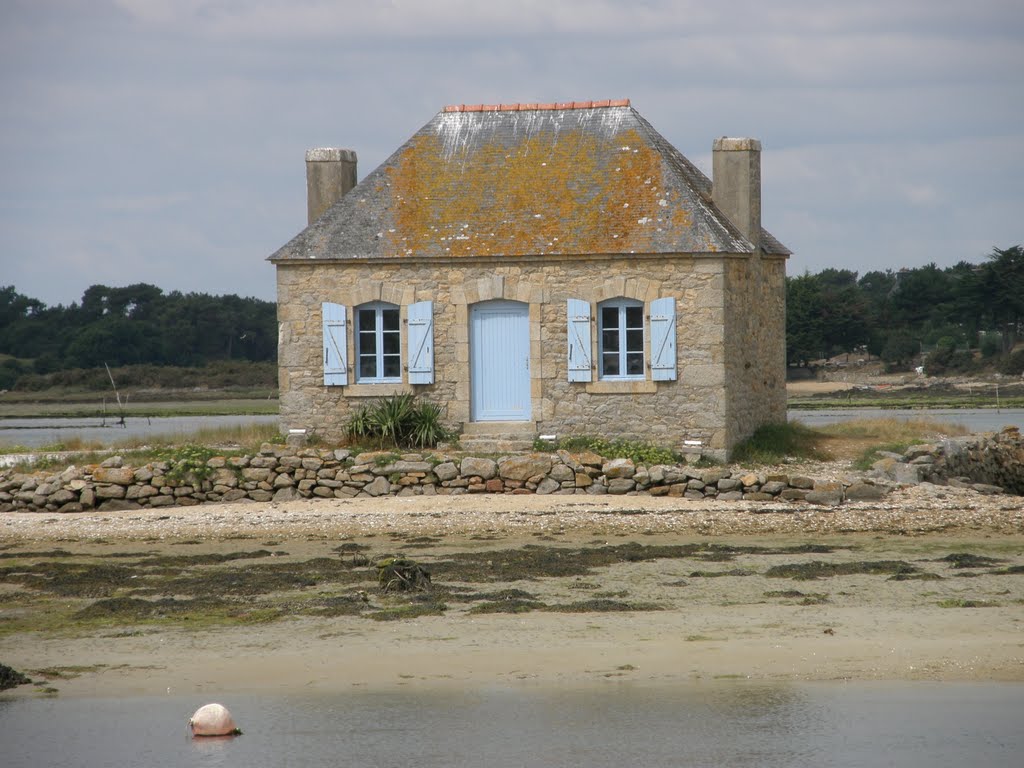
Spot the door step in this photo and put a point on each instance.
(497, 436)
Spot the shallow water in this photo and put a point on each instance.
(34, 433)
(720, 723)
(973, 419)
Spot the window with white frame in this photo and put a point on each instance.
(621, 339)
(378, 343)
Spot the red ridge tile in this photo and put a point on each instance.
(521, 107)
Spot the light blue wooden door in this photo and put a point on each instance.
(499, 355)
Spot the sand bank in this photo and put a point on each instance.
(717, 611)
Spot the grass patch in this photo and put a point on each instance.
(957, 602)
(813, 598)
(867, 458)
(1009, 571)
(638, 451)
(773, 443)
(328, 606)
(229, 440)
(889, 435)
(819, 570)
(599, 605)
(534, 561)
(967, 560)
(197, 612)
(922, 576)
(896, 431)
(408, 611)
(507, 606)
(86, 580)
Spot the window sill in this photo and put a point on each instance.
(622, 387)
(384, 389)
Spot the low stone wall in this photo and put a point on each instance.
(988, 463)
(279, 473)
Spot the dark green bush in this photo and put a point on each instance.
(398, 421)
(223, 374)
(948, 359)
(1013, 365)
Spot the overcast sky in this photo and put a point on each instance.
(162, 141)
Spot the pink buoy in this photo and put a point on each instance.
(213, 720)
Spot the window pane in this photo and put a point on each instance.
(634, 364)
(367, 319)
(634, 317)
(610, 341)
(367, 367)
(392, 367)
(610, 364)
(390, 319)
(609, 317)
(392, 343)
(635, 341)
(367, 344)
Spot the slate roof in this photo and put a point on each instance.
(527, 179)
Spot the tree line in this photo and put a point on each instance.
(135, 325)
(956, 316)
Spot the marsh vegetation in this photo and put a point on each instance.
(89, 588)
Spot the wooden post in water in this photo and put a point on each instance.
(117, 394)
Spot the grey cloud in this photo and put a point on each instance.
(163, 140)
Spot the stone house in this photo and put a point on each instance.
(554, 269)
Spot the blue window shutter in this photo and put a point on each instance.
(578, 313)
(335, 344)
(663, 339)
(421, 342)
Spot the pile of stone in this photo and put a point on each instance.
(281, 473)
(987, 463)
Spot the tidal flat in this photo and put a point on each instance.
(555, 592)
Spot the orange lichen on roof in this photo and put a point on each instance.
(572, 191)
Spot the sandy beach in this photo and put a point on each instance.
(927, 584)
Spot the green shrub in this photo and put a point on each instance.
(425, 428)
(640, 452)
(948, 359)
(1013, 365)
(772, 443)
(222, 374)
(11, 370)
(390, 418)
(188, 460)
(991, 345)
(399, 421)
(899, 349)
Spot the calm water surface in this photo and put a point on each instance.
(974, 419)
(34, 433)
(725, 723)
(38, 432)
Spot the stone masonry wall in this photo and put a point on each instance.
(987, 462)
(279, 473)
(692, 408)
(755, 339)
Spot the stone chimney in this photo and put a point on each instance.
(330, 173)
(736, 184)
